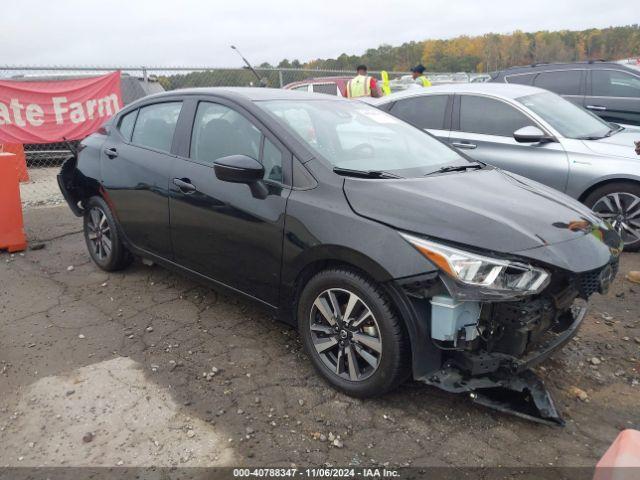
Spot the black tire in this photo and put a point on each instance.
(627, 193)
(394, 359)
(104, 243)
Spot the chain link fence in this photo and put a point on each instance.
(44, 160)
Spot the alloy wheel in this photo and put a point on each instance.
(622, 211)
(99, 233)
(345, 334)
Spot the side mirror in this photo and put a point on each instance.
(238, 169)
(531, 134)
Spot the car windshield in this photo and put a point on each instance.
(355, 136)
(567, 118)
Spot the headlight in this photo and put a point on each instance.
(493, 275)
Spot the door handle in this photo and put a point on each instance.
(185, 185)
(600, 108)
(111, 152)
(468, 146)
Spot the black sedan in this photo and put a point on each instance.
(394, 255)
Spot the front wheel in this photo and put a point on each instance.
(352, 334)
(103, 238)
(619, 204)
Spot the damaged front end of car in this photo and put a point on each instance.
(490, 319)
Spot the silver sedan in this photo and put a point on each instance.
(537, 134)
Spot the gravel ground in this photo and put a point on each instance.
(145, 367)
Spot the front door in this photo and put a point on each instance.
(222, 230)
(614, 95)
(483, 129)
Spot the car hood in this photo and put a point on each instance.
(488, 209)
(618, 145)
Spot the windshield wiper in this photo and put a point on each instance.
(458, 168)
(591, 137)
(365, 173)
(616, 128)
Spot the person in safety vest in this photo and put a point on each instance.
(386, 84)
(419, 78)
(362, 85)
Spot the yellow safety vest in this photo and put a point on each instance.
(386, 87)
(359, 86)
(424, 80)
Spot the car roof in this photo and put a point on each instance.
(537, 67)
(252, 94)
(340, 81)
(504, 90)
(321, 80)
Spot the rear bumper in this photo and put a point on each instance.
(77, 211)
(67, 184)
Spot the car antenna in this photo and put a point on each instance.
(72, 148)
(261, 81)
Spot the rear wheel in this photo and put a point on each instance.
(103, 238)
(619, 204)
(353, 336)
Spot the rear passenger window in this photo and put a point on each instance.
(490, 117)
(155, 125)
(424, 112)
(126, 125)
(329, 88)
(566, 82)
(521, 79)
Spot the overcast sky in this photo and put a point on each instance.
(192, 33)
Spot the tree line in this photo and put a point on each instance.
(492, 51)
(482, 53)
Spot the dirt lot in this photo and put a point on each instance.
(147, 368)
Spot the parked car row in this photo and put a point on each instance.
(609, 89)
(537, 134)
(395, 254)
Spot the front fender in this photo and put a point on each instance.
(581, 190)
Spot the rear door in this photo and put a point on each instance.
(568, 83)
(431, 113)
(220, 229)
(136, 162)
(483, 129)
(614, 95)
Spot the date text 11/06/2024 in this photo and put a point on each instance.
(316, 472)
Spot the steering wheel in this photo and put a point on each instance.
(364, 150)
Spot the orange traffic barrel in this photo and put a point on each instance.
(622, 460)
(21, 164)
(12, 236)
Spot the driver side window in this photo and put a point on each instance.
(611, 83)
(490, 117)
(219, 131)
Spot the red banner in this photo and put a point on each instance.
(50, 111)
